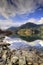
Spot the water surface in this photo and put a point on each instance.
(18, 42)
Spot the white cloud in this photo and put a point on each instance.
(32, 20)
(4, 24)
(13, 7)
(40, 21)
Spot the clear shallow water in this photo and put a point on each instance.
(18, 43)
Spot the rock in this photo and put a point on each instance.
(22, 60)
(20, 57)
(41, 64)
(30, 63)
(35, 63)
(14, 59)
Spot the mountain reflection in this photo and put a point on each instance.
(18, 43)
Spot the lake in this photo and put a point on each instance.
(17, 43)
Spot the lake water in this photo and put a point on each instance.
(17, 43)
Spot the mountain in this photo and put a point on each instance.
(28, 31)
(31, 31)
(28, 25)
(1, 31)
(12, 28)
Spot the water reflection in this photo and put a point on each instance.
(18, 43)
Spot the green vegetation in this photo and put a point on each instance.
(25, 32)
(30, 38)
(29, 34)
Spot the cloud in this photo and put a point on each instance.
(13, 7)
(4, 24)
(40, 21)
(32, 20)
(40, 2)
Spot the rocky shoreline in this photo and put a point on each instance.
(22, 56)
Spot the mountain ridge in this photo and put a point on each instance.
(26, 25)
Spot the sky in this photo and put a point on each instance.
(17, 12)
